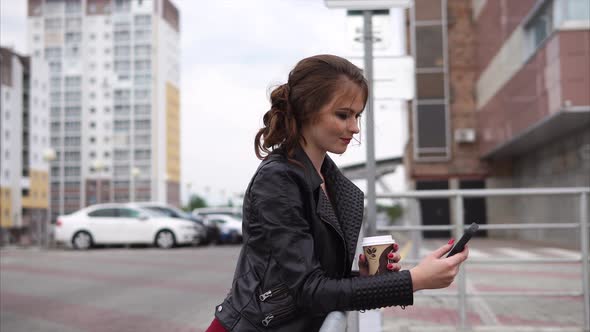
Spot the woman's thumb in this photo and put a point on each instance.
(438, 253)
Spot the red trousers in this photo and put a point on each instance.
(216, 326)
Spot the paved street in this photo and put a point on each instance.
(144, 289)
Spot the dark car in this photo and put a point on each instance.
(209, 233)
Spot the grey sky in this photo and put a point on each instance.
(232, 54)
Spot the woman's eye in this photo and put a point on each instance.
(342, 116)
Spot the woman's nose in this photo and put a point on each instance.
(354, 126)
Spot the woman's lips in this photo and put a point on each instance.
(346, 140)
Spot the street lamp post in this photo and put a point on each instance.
(98, 167)
(367, 7)
(135, 172)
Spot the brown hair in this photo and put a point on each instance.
(311, 85)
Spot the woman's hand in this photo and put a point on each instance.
(434, 271)
(393, 259)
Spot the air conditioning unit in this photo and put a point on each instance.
(465, 135)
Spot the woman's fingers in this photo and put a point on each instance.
(394, 267)
(363, 265)
(393, 257)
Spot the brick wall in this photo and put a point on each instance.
(462, 75)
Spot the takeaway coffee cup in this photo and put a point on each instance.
(376, 249)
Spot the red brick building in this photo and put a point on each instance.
(503, 101)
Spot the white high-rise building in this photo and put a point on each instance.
(24, 143)
(114, 99)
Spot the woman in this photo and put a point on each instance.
(302, 217)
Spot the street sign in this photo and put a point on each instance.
(368, 4)
(382, 29)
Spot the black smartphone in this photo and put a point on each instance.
(460, 245)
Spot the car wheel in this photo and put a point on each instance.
(82, 241)
(165, 239)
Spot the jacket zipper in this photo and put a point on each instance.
(278, 314)
(273, 292)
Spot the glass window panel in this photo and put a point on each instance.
(578, 10)
(103, 213)
(430, 86)
(128, 213)
(429, 47)
(428, 10)
(431, 126)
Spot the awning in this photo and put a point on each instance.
(566, 121)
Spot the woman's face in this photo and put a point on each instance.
(336, 122)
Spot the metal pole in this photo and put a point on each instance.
(371, 195)
(584, 252)
(462, 280)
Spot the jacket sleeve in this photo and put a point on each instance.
(277, 199)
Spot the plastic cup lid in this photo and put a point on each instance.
(377, 240)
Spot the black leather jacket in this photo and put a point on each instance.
(295, 263)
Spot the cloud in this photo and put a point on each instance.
(13, 25)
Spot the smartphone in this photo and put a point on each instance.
(460, 245)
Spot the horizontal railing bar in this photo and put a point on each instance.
(485, 192)
(470, 261)
(493, 294)
(481, 226)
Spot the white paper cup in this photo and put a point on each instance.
(376, 249)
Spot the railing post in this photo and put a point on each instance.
(462, 280)
(584, 254)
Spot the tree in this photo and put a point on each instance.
(394, 211)
(195, 202)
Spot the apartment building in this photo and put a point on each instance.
(24, 126)
(503, 101)
(114, 99)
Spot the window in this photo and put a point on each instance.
(430, 85)
(429, 46)
(128, 213)
(73, 81)
(52, 53)
(121, 50)
(141, 65)
(122, 125)
(122, 65)
(426, 10)
(103, 213)
(540, 27)
(142, 109)
(143, 20)
(73, 37)
(430, 133)
(578, 10)
(73, 23)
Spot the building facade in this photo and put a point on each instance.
(114, 99)
(511, 85)
(24, 126)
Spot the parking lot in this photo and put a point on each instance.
(147, 289)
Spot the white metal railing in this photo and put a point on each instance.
(459, 225)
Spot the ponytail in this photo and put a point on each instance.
(280, 126)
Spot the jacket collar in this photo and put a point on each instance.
(346, 198)
(312, 177)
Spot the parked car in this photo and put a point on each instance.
(207, 233)
(230, 227)
(117, 223)
(233, 211)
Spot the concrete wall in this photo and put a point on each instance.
(563, 163)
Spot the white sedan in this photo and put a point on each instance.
(122, 224)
